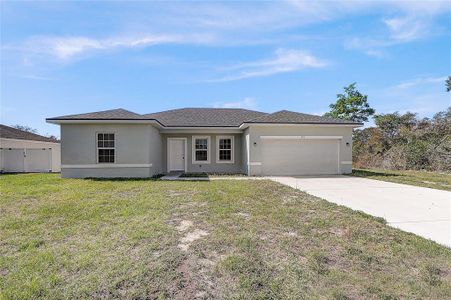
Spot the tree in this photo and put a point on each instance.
(53, 138)
(393, 125)
(448, 84)
(351, 105)
(25, 128)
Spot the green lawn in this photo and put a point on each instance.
(440, 181)
(136, 239)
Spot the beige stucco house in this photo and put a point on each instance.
(120, 143)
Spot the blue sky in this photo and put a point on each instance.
(62, 58)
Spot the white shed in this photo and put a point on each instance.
(22, 151)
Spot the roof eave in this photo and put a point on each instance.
(103, 121)
(247, 124)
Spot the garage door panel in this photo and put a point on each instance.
(299, 157)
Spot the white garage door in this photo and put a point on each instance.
(300, 156)
(26, 160)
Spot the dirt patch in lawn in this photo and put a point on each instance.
(197, 267)
(184, 225)
(243, 215)
(190, 237)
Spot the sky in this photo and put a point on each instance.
(60, 58)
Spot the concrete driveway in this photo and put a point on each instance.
(423, 211)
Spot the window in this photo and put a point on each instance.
(224, 149)
(105, 148)
(201, 149)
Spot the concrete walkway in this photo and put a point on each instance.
(423, 211)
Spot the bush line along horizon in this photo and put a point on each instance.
(398, 141)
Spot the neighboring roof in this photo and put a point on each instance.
(208, 117)
(205, 117)
(13, 133)
(113, 114)
(291, 117)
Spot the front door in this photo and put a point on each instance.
(176, 155)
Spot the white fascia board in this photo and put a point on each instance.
(105, 166)
(322, 137)
(281, 137)
(301, 137)
(196, 130)
(246, 125)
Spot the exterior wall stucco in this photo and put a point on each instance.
(141, 150)
(245, 139)
(256, 132)
(136, 146)
(212, 167)
(27, 144)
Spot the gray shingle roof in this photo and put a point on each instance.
(13, 133)
(113, 114)
(207, 117)
(291, 117)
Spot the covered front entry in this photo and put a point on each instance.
(176, 154)
(300, 156)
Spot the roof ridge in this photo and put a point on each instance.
(265, 115)
(120, 108)
(204, 108)
(313, 118)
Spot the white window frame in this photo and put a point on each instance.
(97, 147)
(232, 153)
(193, 149)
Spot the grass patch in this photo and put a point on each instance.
(74, 238)
(207, 175)
(194, 175)
(440, 181)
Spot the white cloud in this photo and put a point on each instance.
(419, 81)
(415, 21)
(406, 29)
(423, 95)
(425, 104)
(284, 60)
(247, 103)
(243, 24)
(398, 30)
(66, 48)
(36, 77)
(270, 16)
(375, 53)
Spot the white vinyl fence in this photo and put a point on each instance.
(26, 160)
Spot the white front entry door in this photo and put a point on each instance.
(176, 155)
